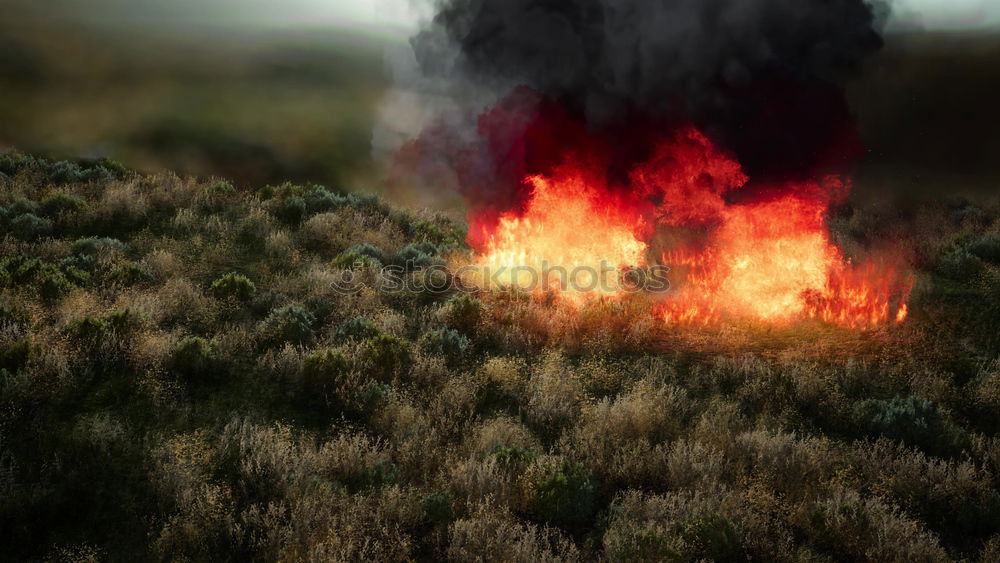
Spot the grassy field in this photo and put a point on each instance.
(180, 381)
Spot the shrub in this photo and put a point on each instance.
(222, 188)
(52, 283)
(436, 508)
(462, 313)
(446, 342)
(319, 307)
(362, 254)
(291, 324)
(913, 420)
(322, 372)
(322, 201)
(14, 356)
(868, 529)
(291, 210)
(959, 265)
(374, 396)
(986, 248)
(63, 203)
(415, 256)
(12, 315)
(12, 163)
(387, 355)
(440, 234)
(563, 494)
(233, 285)
(381, 474)
(129, 274)
(30, 227)
(65, 172)
(351, 261)
(513, 457)
(358, 328)
(193, 359)
(708, 536)
(23, 206)
(90, 328)
(92, 246)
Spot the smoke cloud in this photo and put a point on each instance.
(516, 85)
(762, 76)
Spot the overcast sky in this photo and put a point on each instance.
(401, 15)
(931, 13)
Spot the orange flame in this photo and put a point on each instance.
(570, 239)
(770, 260)
(774, 262)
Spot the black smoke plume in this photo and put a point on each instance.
(764, 78)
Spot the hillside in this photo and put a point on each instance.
(180, 379)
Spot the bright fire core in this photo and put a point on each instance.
(769, 260)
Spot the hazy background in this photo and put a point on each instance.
(262, 91)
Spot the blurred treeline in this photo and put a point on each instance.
(928, 113)
(258, 105)
(264, 103)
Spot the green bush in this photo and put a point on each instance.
(322, 201)
(358, 328)
(91, 329)
(446, 342)
(564, 495)
(12, 315)
(289, 324)
(92, 246)
(436, 508)
(380, 474)
(351, 261)
(291, 210)
(416, 256)
(52, 283)
(440, 234)
(374, 396)
(322, 372)
(88, 329)
(959, 265)
(59, 203)
(462, 313)
(194, 360)
(513, 456)
(986, 248)
(22, 206)
(129, 274)
(915, 421)
(12, 163)
(14, 356)
(235, 286)
(30, 227)
(223, 189)
(387, 355)
(362, 254)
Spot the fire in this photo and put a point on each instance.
(767, 258)
(569, 239)
(774, 262)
